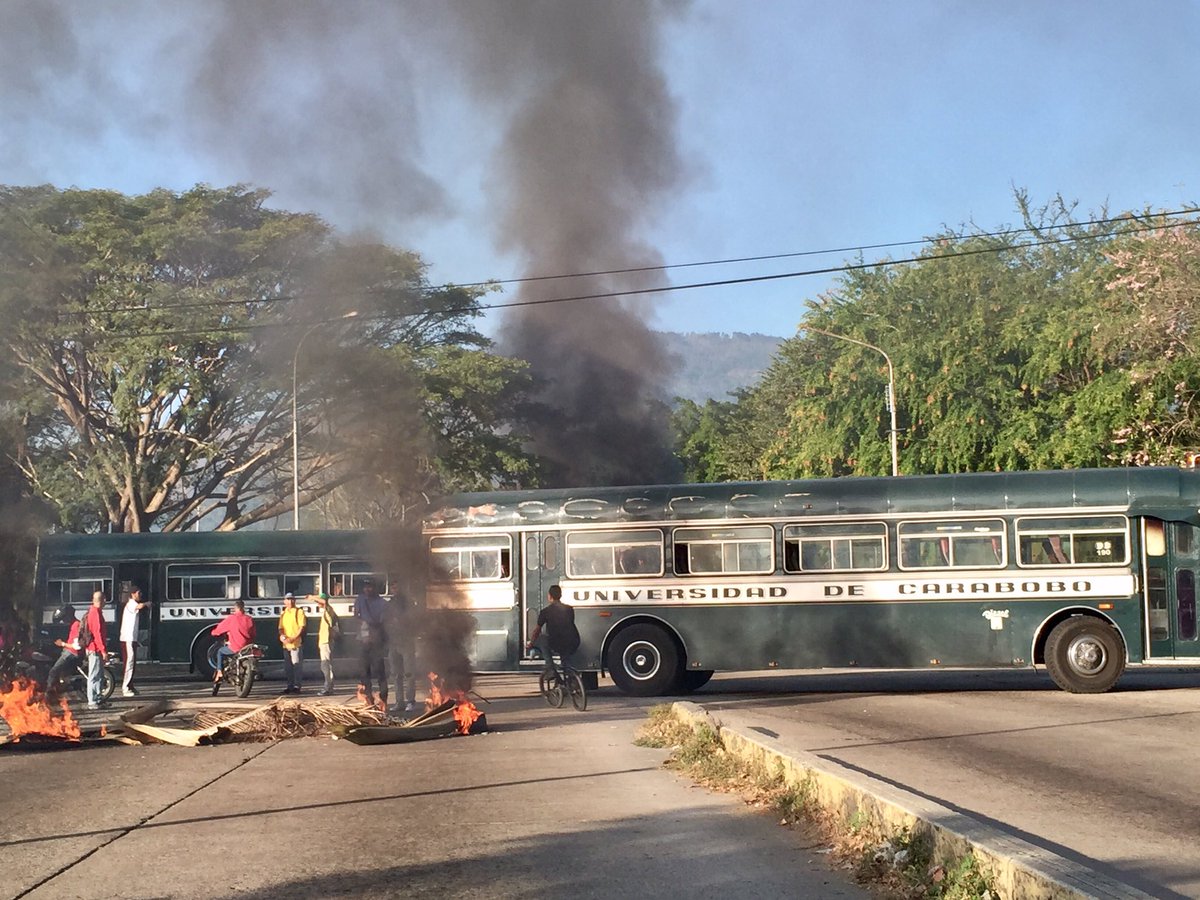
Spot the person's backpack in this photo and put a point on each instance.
(335, 624)
(85, 633)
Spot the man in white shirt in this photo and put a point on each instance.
(129, 635)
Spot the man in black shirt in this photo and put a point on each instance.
(558, 621)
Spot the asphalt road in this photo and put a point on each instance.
(553, 803)
(1111, 780)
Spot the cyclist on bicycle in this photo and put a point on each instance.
(555, 632)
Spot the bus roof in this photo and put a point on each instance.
(67, 548)
(1168, 493)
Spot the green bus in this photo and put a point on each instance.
(191, 579)
(1083, 572)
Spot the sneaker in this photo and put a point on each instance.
(324, 692)
(93, 706)
(130, 693)
(410, 706)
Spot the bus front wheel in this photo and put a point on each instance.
(643, 661)
(1084, 655)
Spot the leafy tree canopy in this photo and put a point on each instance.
(1071, 345)
(154, 340)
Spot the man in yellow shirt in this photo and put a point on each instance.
(291, 638)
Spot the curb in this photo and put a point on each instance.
(1020, 870)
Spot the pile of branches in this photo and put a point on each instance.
(285, 719)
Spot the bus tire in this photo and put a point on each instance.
(201, 664)
(1085, 655)
(694, 679)
(643, 661)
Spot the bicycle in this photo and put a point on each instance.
(559, 680)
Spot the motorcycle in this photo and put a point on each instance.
(40, 658)
(240, 670)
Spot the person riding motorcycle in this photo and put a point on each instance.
(70, 649)
(238, 629)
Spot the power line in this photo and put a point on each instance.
(754, 279)
(287, 298)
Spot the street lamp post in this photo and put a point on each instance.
(891, 384)
(296, 418)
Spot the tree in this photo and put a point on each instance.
(154, 340)
(1068, 348)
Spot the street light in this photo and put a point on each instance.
(891, 383)
(295, 416)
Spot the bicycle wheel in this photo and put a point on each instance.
(577, 689)
(551, 686)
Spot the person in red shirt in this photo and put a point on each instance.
(70, 651)
(95, 649)
(238, 629)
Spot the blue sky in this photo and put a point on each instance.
(802, 126)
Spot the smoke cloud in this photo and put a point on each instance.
(588, 157)
(326, 103)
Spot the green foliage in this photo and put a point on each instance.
(154, 341)
(1073, 348)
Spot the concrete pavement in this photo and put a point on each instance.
(554, 803)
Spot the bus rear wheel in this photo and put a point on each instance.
(201, 663)
(1085, 655)
(643, 661)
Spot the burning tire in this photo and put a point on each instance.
(643, 661)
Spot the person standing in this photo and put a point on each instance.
(129, 635)
(95, 648)
(402, 651)
(330, 629)
(291, 637)
(371, 610)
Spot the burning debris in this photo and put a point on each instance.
(27, 711)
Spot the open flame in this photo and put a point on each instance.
(465, 712)
(367, 700)
(23, 706)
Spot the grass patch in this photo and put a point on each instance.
(896, 865)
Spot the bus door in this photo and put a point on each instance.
(542, 553)
(1171, 584)
(129, 576)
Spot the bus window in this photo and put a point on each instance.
(1185, 593)
(204, 582)
(1076, 541)
(482, 558)
(710, 551)
(969, 544)
(273, 580)
(1156, 588)
(347, 578)
(835, 548)
(614, 553)
(76, 584)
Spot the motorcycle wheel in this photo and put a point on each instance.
(108, 683)
(244, 678)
